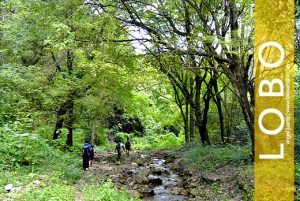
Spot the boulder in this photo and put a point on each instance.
(133, 193)
(210, 178)
(141, 180)
(176, 191)
(143, 173)
(140, 162)
(183, 192)
(148, 192)
(131, 172)
(155, 181)
(170, 159)
(194, 192)
(193, 184)
(37, 183)
(19, 188)
(8, 187)
(155, 170)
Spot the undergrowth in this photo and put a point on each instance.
(93, 190)
(166, 141)
(208, 158)
(43, 172)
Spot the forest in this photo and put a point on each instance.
(174, 77)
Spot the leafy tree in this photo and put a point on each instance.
(197, 36)
(68, 65)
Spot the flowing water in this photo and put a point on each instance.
(170, 180)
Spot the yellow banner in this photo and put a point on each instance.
(274, 106)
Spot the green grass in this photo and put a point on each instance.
(53, 192)
(104, 191)
(208, 158)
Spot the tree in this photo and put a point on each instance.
(70, 56)
(194, 31)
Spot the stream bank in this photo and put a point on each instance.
(159, 176)
(146, 175)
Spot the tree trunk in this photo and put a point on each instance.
(201, 121)
(59, 121)
(221, 119)
(241, 90)
(203, 128)
(183, 114)
(203, 134)
(239, 78)
(69, 141)
(192, 124)
(217, 101)
(186, 124)
(192, 113)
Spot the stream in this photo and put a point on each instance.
(166, 180)
(147, 175)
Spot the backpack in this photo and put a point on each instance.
(85, 151)
(90, 148)
(118, 146)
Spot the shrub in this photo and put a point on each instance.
(158, 141)
(170, 140)
(119, 137)
(27, 157)
(101, 139)
(21, 149)
(122, 137)
(208, 158)
(297, 173)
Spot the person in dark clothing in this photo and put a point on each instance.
(92, 153)
(127, 146)
(85, 155)
(118, 148)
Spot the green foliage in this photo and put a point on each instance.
(208, 158)
(158, 141)
(22, 149)
(101, 139)
(120, 137)
(101, 136)
(105, 191)
(26, 158)
(297, 173)
(55, 192)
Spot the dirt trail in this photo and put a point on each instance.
(148, 175)
(78, 196)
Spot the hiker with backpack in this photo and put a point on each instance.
(92, 153)
(86, 155)
(127, 146)
(118, 148)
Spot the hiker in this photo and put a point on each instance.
(118, 149)
(127, 146)
(92, 153)
(85, 155)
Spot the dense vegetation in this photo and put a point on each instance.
(157, 72)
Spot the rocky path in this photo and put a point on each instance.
(148, 175)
